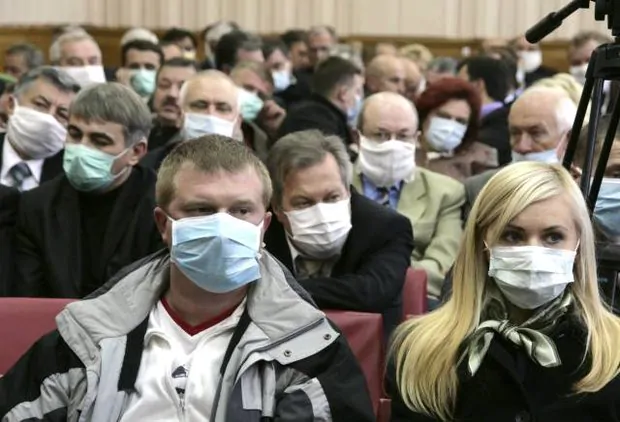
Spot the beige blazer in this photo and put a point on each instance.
(432, 202)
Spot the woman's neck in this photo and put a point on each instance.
(518, 315)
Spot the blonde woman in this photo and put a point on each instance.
(568, 84)
(524, 336)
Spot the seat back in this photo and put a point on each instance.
(22, 322)
(414, 293)
(364, 333)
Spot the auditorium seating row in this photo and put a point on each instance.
(24, 320)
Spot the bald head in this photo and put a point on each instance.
(413, 78)
(541, 120)
(388, 115)
(210, 92)
(386, 73)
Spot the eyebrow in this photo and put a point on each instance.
(556, 227)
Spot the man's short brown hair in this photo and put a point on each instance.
(209, 154)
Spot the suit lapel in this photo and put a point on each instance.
(67, 217)
(276, 244)
(52, 167)
(410, 202)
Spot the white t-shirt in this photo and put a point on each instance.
(179, 373)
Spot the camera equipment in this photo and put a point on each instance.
(604, 66)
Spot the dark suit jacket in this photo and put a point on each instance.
(369, 275)
(9, 200)
(52, 166)
(299, 91)
(494, 133)
(49, 236)
(317, 113)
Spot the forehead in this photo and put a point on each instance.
(320, 38)
(389, 116)
(114, 130)
(531, 111)
(219, 187)
(176, 73)
(276, 56)
(81, 47)
(211, 89)
(323, 175)
(554, 211)
(50, 92)
(142, 55)
(247, 76)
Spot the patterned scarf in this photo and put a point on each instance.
(532, 335)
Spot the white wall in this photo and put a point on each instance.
(426, 18)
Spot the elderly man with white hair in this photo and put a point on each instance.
(540, 123)
(209, 103)
(79, 55)
(386, 172)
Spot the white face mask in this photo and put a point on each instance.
(320, 231)
(387, 163)
(282, 79)
(445, 135)
(86, 75)
(549, 156)
(38, 135)
(579, 72)
(531, 276)
(530, 60)
(196, 125)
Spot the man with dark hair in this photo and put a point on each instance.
(296, 41)
(580, 48)
(211, 36)
(491, 78)
(237, 46)
(169, 80)
(185, 39)
(530, 60)
(140, 60)
(79, 229)
(20, 58)
(334, 105)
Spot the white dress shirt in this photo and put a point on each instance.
(10, 158)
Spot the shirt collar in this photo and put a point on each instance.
(489, 108)
(10, 158)
(367, 182)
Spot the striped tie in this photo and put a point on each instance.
(19, 172)
(384, 198)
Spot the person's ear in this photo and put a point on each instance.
(266, 223)
(164, 226)
(137, 152)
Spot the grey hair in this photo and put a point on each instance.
(32, 55)
(55, 76)
(114, 103)
(300, 150)
(55, 52)
(323, 29)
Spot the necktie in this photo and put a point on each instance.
(19, 172)
(384, 197)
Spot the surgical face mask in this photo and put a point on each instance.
(549, 156)
(86, 75)
(320, 232)
(196, 125)
(249, 104)
(531, 276)
(89, 169)
(607, 209)
(354, 111)
(445, 135)
(387, 163)
(520, 76)
(579, 72)
(218, 252)
(35, 134)
(143, 81)
(281, 79)
(530, 60)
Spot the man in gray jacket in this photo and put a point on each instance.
(214, 328)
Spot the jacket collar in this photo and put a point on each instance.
(274, 306)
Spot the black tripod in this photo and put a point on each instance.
(604, 66)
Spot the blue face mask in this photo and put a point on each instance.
(281, 79)
(89, 169)
(354, 111)
(549, 156)
(607, 209)
(143, 82)
(250, 104)
(218, 252)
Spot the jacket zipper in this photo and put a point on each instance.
(182, 407)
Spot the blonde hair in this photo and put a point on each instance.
(419, 53)
(568, 84)
(426, 349)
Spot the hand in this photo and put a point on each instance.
(271, 116)
(123, 76)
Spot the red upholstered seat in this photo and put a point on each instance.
(414, 293)
(22, 322)
(364, 332)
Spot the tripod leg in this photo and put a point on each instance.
(595, 113)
